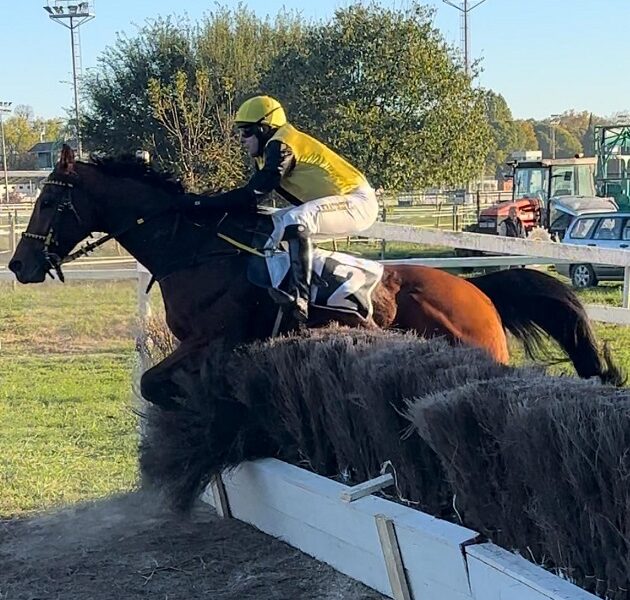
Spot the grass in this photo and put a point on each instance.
(69, 434)
(66, 366)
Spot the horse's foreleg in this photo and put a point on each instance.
(157, 385)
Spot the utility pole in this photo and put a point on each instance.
(465, 8)
(554, 122)
(72, 14)
(5, 107)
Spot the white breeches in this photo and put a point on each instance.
(332, 215)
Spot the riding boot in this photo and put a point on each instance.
(301, 255)
(297, 293)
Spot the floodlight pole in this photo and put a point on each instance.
(554, 121)
(76, 89)
(76, 13)
(465, 9)
(5, 107)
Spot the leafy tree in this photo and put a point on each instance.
(507, 134)
(525, 135)
(382, 88)
(119, 117)
(201, 139)
(174, 88)
(575, 122)
(22, 131)
(566, 143)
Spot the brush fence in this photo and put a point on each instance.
(401, 552)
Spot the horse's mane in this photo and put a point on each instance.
(134, 168)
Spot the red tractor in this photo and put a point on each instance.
(546, 194)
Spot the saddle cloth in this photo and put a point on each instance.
(340, 283)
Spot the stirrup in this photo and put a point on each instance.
(281, 297)
(318, 280)
(298, 304)
(300, 309)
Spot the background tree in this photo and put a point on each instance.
(119, 117)
(566, 143)
(382, 87)
(174, 88)
(23, 130)
(525, 135)
(507, 134)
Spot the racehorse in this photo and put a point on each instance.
(207, 295)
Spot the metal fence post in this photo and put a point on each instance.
(11, 234)
(625, 301)
(383, 242)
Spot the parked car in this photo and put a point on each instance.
(563, 211)
(604, 230)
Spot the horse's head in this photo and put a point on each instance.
(78, 198)
(63, 215)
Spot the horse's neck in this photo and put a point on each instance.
(167, 243)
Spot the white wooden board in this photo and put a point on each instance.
(440, 560)
(496, 574)
(305, 510)
(495, 243)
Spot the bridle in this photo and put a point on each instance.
(49, 238)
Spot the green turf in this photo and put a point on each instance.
(67, 432)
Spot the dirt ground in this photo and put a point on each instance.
(128, 547)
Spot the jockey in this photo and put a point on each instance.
(329, 195)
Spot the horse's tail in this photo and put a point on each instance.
(531, 303)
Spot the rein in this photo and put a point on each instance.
(55, 262)
(49, 238)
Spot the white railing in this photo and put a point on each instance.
(504, 245)
(522, 251)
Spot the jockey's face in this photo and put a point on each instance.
(249, 140)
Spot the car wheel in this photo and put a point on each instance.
(583, 276)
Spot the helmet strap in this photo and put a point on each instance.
(263, 134)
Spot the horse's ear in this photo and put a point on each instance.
(66, 160)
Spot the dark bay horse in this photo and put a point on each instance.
(207, 294)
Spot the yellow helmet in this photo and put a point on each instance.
(261, 110)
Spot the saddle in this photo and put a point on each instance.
(340, 282)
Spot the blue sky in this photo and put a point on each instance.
(544, 56)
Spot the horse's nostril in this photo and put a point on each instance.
(15, 266)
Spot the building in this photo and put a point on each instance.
(47, 153)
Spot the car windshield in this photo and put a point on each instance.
(563, 181)
(532, 183)
(608, 229)
(582, 228)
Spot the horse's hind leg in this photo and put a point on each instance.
(478, 326)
